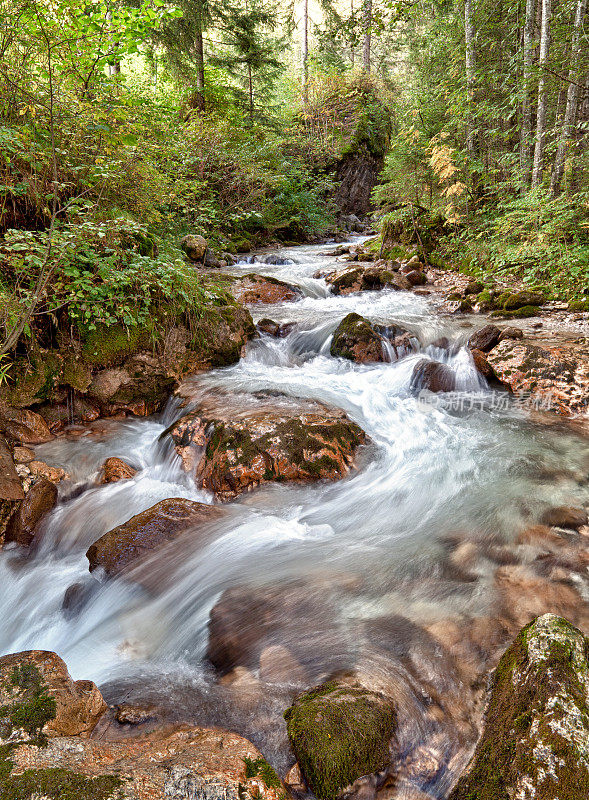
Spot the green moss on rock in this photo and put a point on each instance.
(355, 339)
(31, 709)
(536, 737)
(340, 733)
(579, 305)
(108, 345)
(517, 313)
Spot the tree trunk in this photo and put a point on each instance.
(469, 36)
(250, 82)
(542, 95)
(367, 34)
(526, 127)
(199, 52)
(352, 48)
(305, 50)
(570, 114)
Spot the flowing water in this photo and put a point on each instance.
(363, 561)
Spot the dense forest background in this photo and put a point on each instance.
(125, 125)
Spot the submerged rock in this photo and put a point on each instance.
(38, 695)
(233, 451)
(124, 545)
(255, 289)
(565, 517)
(340, 733)
(534, 743)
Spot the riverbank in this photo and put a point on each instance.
(396, 542)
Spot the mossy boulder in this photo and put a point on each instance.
(357, 340)
(123, 546)
(110, 345)
(340, 733)
(578, 305)
(535, 743)
(517, 313)
(231, 450)
(220, 334)
(515, 300)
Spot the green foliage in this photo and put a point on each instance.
(260, 768)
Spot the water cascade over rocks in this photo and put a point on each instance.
(397, 563)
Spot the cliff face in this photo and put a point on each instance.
(360, 164)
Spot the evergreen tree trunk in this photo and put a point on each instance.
(526, 126)
(367, 34)
(352, 48)
(305, 50)
(469, 35)
(570, 114)
(250, 93)
(200, 64)
(542, 95)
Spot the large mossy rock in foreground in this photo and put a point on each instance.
(340, 733)
(535, 744)
(232, 448)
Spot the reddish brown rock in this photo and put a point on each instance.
(79, 704)
(11, 490)
(233, 449)
(124, 546)
(115, 469)
(24, 426)
(485, 338)
(525, 595)
(565, 517)
(482, 365)
(182, 763)
(255, 289)
(42, 470)
(23, 526)
(416, 278)
(432, 376)
(511, 332)
(553, 377)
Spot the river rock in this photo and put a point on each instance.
(416, 277)
(340, 733)
(480, 361)
(124, 545)
(11, 490)
(523, 595)
(550, 376)
(31, 680)
(23, 525)
(115, 469)
(511, 332)
(356, 339)
(255, 289)
(433, 377)
(182, 763)
(247, 623)
(565, 517)
(521, 299)
(485, 338)
(367, 278)
(234, 450)
(194, 246)
(534, 742)
(24, 426)
(40, 469)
